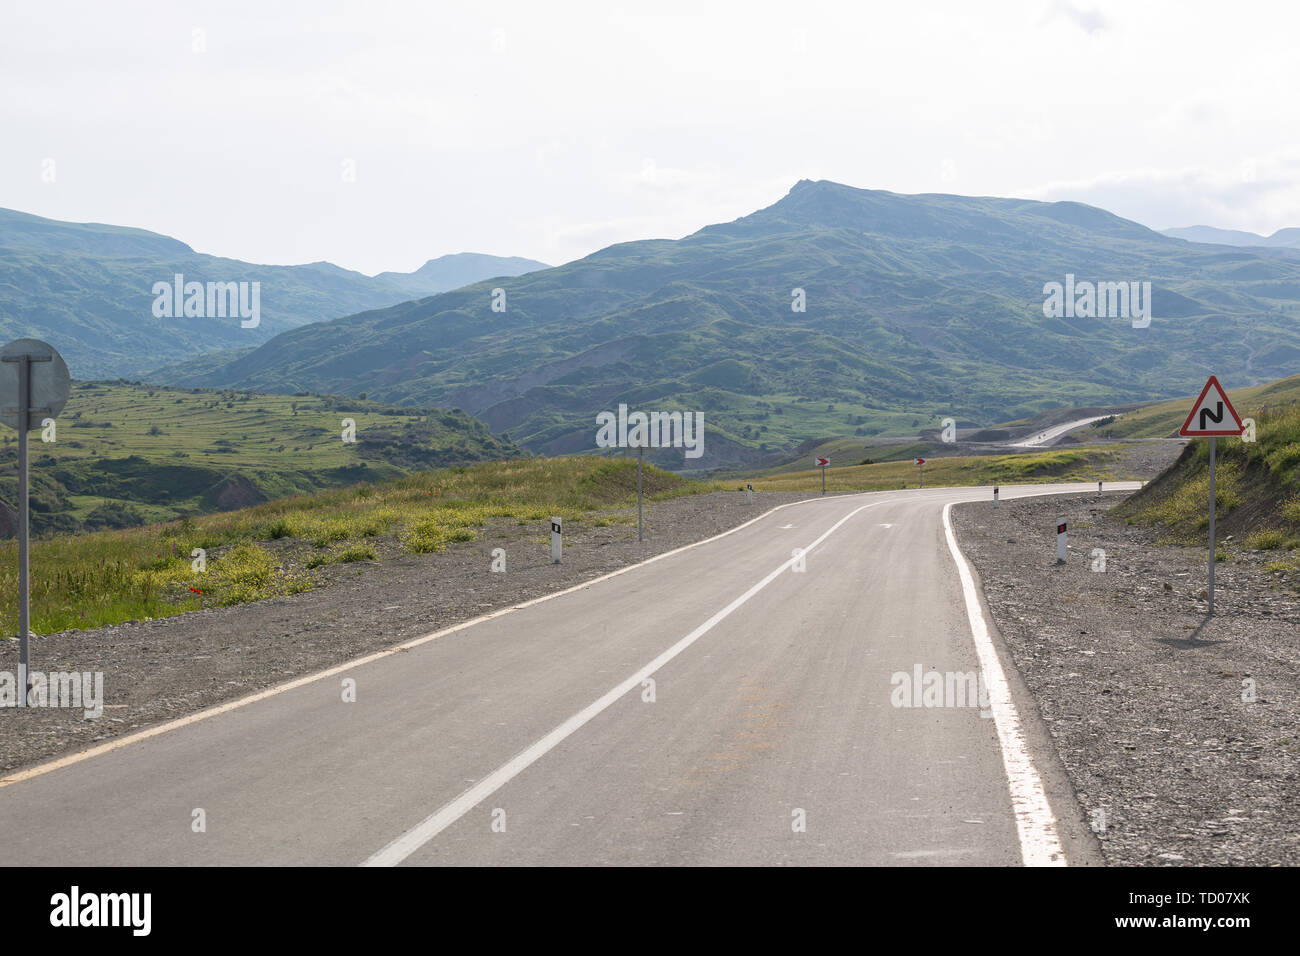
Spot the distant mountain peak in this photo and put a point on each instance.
(24, 230)
(459, 269)
(1288, 238)
(941, 216)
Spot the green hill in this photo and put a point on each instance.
(917, 307)
(126, 454)
(86, 288)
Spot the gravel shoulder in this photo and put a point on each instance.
(158, 670)
(1180, 734)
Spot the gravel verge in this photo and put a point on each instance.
(1179, 733)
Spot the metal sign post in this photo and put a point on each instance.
(1210, 611)
(920, 470)
(822, 463)
(34, 381)
(1206, 420)
(24, 527)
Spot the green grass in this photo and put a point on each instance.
(106, 577)
(1257, 489)
(133, 454)
(1267, 539)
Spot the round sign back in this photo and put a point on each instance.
(48, 382)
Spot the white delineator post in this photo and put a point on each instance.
(995, 496)
(1060, 541)
(749, 493)
(1099, 487)
(557, 539)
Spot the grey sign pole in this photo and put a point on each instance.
(1210, 613)
(1212, 405)
(24, 527)
(640, 456)
(39, 389)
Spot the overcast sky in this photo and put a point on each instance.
(552, 129)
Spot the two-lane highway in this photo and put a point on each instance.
(728, 703)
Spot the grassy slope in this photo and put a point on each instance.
(843, 452)
(146, 572)
(1257, 488)
(1164, 420)
(159, 453)
(1081, 463)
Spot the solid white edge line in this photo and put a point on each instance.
(157, 730)
(1035, 823)
(424, 831)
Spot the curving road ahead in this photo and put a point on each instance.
(711, 706)
(1049, 435)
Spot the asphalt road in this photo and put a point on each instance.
(1049, 435)
(769, 735)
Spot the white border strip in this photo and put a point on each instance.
(424, 831)
(1039, 843)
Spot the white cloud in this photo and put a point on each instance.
(1259, 194)
(1090, 19)
(526, 130)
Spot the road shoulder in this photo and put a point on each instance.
(1179, 739)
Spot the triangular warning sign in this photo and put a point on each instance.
(1212, 414)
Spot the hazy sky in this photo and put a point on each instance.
(552, 129)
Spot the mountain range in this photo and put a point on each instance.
(87, 289)
(914, 307)
(1282, 239)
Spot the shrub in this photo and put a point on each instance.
(1266, 539)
